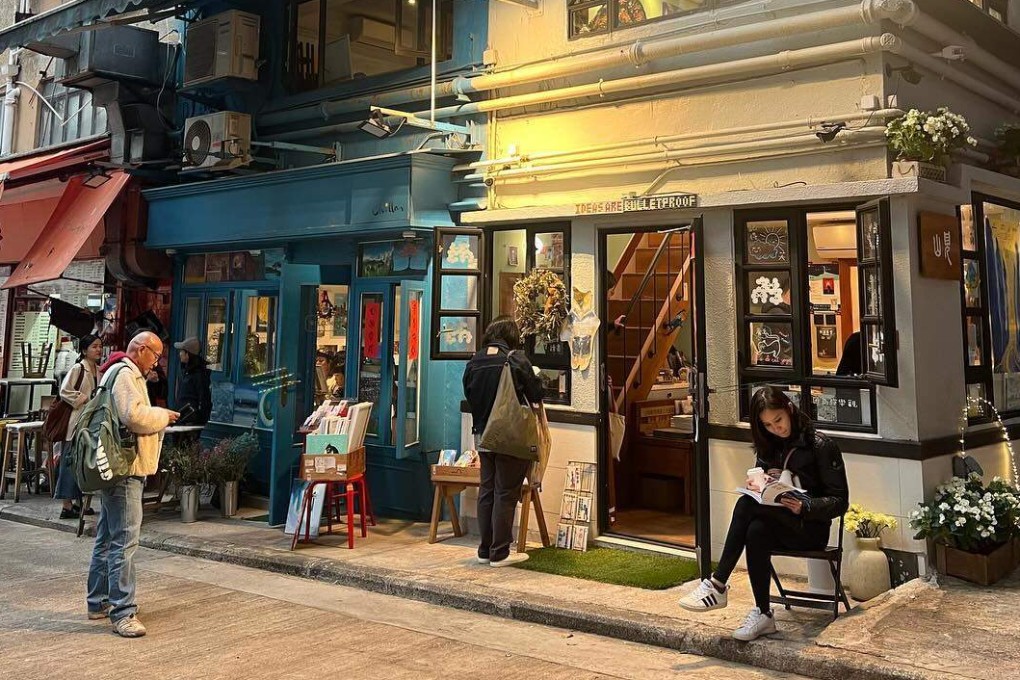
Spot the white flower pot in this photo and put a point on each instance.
(869, 570)
(922, 169)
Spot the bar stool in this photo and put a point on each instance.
(348, 493)
(22, 431)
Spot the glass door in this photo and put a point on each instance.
(407, 346)
(371, 363)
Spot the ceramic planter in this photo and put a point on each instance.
(921, 169)
(869, 570)
(975, 567)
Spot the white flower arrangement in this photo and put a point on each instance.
(969, 516)
(926, 136)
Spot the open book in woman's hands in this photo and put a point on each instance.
(773, 491)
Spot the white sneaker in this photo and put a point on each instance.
(512, 558)
(482, 560)
(704, 598)
(755, 625)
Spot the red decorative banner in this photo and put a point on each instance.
(413, 329)
(371, 318)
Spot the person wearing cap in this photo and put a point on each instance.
(194, 384)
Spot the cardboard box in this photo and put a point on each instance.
(332, 467)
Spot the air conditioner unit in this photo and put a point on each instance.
(218, 141)
(371, 32)
(222, 46)
(122, 53)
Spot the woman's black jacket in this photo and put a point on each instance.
(481, 380)
(818, 464)
(194, 386)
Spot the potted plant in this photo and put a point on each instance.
(974, 528)
(1007, 150)
(188, 469)
(228, 464)
(923, 142)
(868, 574)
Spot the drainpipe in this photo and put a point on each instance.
(754, 66)
(878, 115)
(737, 150)
(636, 54)
(10, 104)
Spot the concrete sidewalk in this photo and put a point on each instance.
(916, 632)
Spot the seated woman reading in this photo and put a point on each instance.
(785, 439)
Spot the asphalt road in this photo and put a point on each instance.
(213, 620)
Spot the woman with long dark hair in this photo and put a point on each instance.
(785, 440)
(502, 475)
(76, 390)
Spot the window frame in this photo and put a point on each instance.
(886, 317)
(50, 131)
(984, 374)
(801, 374)
(438, 312)
(540, 361)
(613, 15)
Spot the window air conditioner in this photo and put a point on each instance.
(218, 141)
(367, 31)
(222, 46)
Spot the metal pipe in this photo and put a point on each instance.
(764, 65)
(746, 129)
(920, 58)
(707, 151)
(11, 97)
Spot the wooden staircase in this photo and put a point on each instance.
(638, 352)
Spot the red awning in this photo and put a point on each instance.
(80, 210)
(26, 207)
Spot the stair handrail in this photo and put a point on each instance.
(649, 273)
(628, 255)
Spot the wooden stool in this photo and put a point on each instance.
(22, 431)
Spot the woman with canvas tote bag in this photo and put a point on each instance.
(500, 386)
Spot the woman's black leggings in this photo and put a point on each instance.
(760, 529)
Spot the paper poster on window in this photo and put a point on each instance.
(413, 329)
(370, 329)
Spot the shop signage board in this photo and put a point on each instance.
(939, 240)
(629, 204)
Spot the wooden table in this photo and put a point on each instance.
(22, 431)
(30, 383)
(449, 487)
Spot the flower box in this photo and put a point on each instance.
(921, 169)
(974, 567)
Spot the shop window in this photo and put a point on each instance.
(370, 366)
(216, 330)
(72, 117)
(242, 265)
(815, 304)
(592, 17)
(331, 342)
(260, 336)
(456, 293)
(333, 41)
(990, 299)
(409, 299)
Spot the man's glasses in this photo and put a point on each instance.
(155, 355)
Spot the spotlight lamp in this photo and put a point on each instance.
(377, 126)
(907, 72)
(830, 130)
(97, 178)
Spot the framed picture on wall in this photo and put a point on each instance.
(511, 256)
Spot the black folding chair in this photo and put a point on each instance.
(797, 598)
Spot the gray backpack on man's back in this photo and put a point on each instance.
(102, 451)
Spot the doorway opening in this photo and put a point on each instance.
(650, 359)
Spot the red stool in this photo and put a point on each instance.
(347, 492)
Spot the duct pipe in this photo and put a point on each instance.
(870, 133)
(753, 66)
(747, 129)
(636, 54)
(920, 58)
(944, 35)
(11, 97)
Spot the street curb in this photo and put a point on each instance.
(787, 656)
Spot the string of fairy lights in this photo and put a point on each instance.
(967, 410)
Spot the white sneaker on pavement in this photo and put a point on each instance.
(482, 560)
(755, 625)
(704, 598)
(512, 558)
(129, 627)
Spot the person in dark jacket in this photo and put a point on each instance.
(784, 440)
(501, 475)
(194, 384)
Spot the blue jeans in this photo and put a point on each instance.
(112, 572)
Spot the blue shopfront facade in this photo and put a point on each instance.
(252, 257)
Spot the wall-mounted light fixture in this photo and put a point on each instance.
(97, 178)
(907, 72)
(830, 130)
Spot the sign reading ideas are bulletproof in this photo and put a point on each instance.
(638, 204)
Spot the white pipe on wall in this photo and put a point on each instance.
(666, 139)
(764, 65)
(11, 97)
(736, 149)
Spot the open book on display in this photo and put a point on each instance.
(773, 492)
